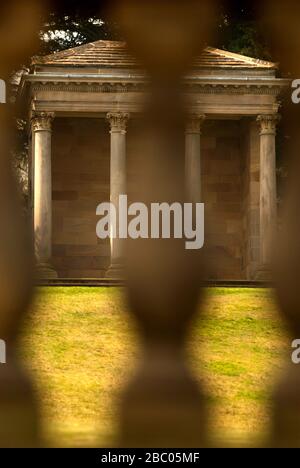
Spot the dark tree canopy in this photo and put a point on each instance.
(63, 32)
(73, 23)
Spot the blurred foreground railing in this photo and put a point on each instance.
(163, 405)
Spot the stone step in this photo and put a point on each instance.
(115, 282)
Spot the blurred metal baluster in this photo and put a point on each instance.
(163, 405)
(282, 19)
(18, 408)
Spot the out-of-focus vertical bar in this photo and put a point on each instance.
(18, 408)
(282, 21)
(163, 405)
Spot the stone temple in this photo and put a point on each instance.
(83, 107)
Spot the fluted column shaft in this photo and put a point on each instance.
(41, 137)
(118, 125)
(193, 157)
(268, 197)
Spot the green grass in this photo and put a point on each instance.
(81, 347)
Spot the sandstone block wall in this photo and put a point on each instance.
(80, 168)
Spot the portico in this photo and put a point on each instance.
(84, 105)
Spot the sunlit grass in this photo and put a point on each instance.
(240, 343)
(81, 347)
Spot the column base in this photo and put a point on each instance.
(115, 271)
(45, 271)
(264, 273)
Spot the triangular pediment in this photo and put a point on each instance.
(114, 54)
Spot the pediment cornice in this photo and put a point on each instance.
(272, 86)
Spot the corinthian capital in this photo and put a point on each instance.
(118, 121)
(268, 123)
(42, 121)
(194, 123)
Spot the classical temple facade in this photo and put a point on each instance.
(84, 106)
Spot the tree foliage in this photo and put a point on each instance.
(70, 24)
(244, 38)
(59, 33)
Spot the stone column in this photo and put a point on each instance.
(192, 157)
(42, 193)
(268, 196)
(118, 124)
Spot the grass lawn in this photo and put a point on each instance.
(81, 347)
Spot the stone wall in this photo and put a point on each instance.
(222, 161)
(80, 168)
